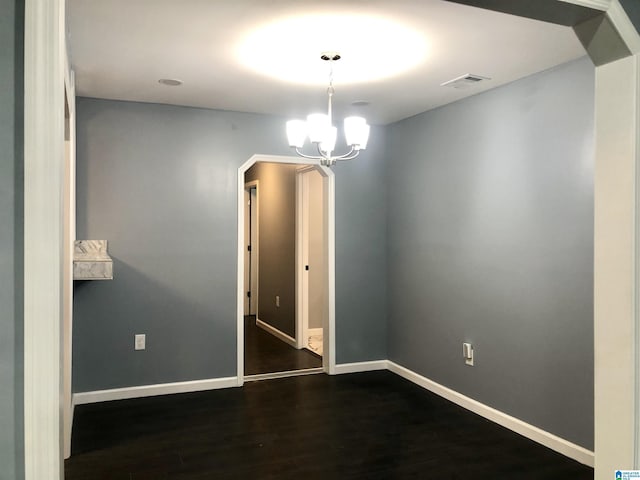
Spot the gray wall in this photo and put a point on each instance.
(491, 242)
(632, 7)
(361, 252)
(11, 240)
(277, 244)
(159, 182)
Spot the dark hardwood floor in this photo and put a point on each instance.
(264, 353)
(372, 425)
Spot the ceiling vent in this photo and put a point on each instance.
(464, 81)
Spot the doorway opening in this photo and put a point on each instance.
(286, 283)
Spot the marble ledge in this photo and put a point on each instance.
(91, 260)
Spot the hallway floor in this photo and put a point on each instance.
(363, 426)
(264, 353)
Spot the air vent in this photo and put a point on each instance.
(464, 81)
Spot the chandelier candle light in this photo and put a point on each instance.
(320, 130)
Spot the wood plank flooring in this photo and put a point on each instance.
(264, 353)
(372, 425)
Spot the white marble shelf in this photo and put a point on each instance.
(91, 260)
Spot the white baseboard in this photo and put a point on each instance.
(153, 390)
(276, 333)
(532, 432)
(560, 445)
(361, 367)
(314, 331)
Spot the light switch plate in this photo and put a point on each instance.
(140, 341)
(467, 353)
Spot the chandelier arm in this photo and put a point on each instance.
(310, 157)
(348, 155)
(347, 158)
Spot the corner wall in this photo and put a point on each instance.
(491, 242)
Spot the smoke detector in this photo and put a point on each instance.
(464, 81)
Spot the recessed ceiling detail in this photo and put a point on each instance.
(372, 48)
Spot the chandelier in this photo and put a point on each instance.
(320, 130)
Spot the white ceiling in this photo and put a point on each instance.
(119, 49)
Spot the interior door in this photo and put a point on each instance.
(313, 273)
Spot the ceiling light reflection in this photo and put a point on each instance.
(372, 48)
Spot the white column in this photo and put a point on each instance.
(43, 188)
(614, 274)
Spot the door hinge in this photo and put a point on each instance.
(248, 294)
(306, 267)
(249, 248)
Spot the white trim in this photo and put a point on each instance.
(636, 263)
(532, 432)
(96, 396)
(302, 255)
(288, 373)
(302, 249)
(615, 290)
(240, 273)
(314, 331)
(329, 335)
(44, 72)
(279, 334)
(69, 235)
(358, 367)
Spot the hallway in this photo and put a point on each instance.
(264, 353)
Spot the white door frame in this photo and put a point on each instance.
(328, 359)
(44, 157)
(302, 237)
(302, 252)
(69, 236)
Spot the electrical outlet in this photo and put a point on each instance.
(467, 353)
(277, 300)
(140, 341)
